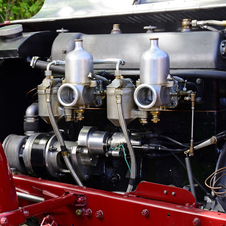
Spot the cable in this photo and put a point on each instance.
(174, 141)
(124, 154)
(61, 140)
(129, 145)
(213, 182)
(31, 100)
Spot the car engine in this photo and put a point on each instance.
(109, 109)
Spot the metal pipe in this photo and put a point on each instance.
(211, 74)
(207, 27)
(40, 64)
(191, 73)
(110, 61)
(191, 152)
(212, 140)
(48, 205)
(194, 178)
(195, 23)
(32, 110)
(55, 62)
(31, 198)
(190, 175)
(101, 78)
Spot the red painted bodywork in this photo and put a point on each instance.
(8, 198)
(119, 209)
(69, 205)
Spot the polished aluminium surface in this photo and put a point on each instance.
(31, 120)
(32, 198)
(154, 70)
(79, 64)
(75, 91)
(154, 65)
(13, 146)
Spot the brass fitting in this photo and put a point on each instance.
(186, 25)
(80, 115)
(143, 121)
(155, 116)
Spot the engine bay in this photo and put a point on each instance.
(108, 111)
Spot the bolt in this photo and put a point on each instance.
(26, 213)
(145, 212)
(99, 214)
(198, 99)
(196, 222)
(3, 221)
(173, 193)
(81, 199)
(88, 212)
(79, 212)
(165, 191)
(198, 81)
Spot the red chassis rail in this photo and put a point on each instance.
(95, 207)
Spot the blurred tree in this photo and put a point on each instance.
(19, 9)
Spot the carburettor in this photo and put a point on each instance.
(76, 92)
(153, 91)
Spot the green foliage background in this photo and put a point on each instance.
(18, 9)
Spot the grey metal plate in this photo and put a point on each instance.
(186, 50)
(55, 10)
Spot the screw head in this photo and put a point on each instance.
(88, 212)
(26, 213)
(99, 214)
(145, 212)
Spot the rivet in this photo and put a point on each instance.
(165, 191)
(173, 193)
(145, 212)
(196, 221)
(99, 214)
